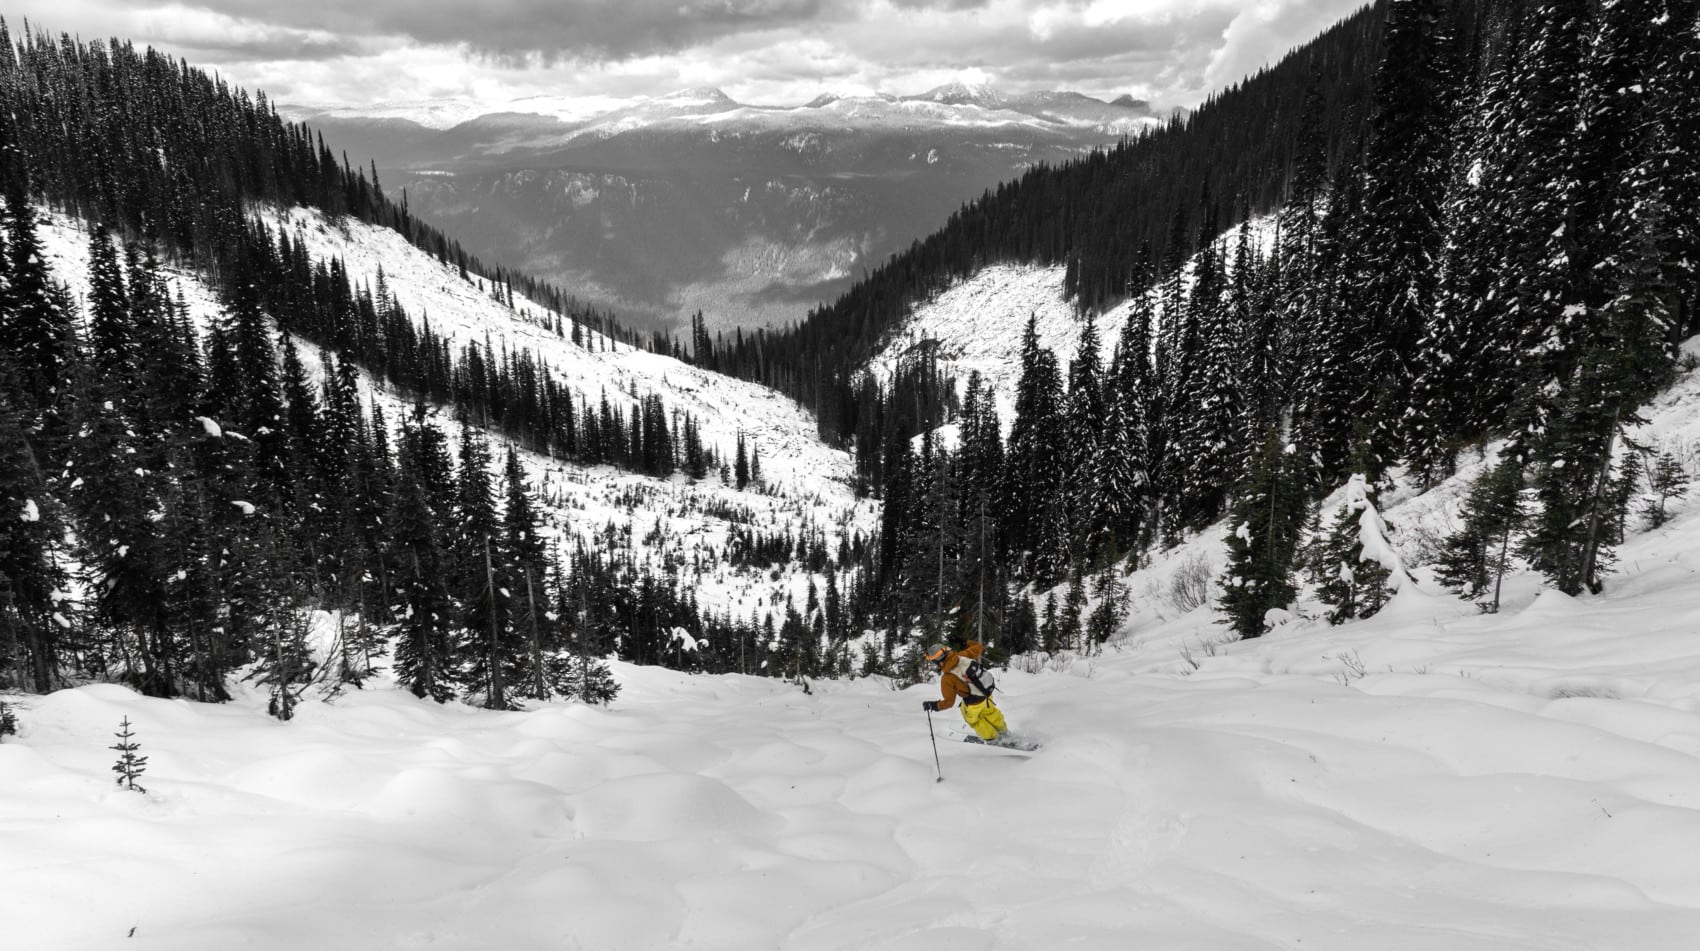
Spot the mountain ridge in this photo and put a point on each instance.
(444, 114)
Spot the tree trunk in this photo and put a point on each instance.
(539, 685)
(1590, 551)
(497, 699)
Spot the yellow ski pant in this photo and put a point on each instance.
(985, 719)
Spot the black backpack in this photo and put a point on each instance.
(980, 679)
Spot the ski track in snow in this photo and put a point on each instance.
(809, 484)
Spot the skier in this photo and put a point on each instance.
(960, 675)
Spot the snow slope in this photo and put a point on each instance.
(1431, 778)
(1501, 783)
(978, 322)
(807, 484)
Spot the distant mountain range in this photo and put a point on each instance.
(659, 207)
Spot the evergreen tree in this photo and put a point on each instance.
(1085, 418)
(1268, 518)
(1667, 480)
(482, 600)
(31, 571)
(534, 636)
(117, 508)
(112, 342)
(35, 320)
(1111, 609)
(1071, 631)
(1404, 170)
(1126, 466)
(1036, 451)
(1477, 556)
(426, 654)
(1351, 580)
(130, 766)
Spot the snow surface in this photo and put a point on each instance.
(1481, 783)
(807, 486)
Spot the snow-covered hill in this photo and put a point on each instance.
(978, 323)
(1432, 779)
(807, 484)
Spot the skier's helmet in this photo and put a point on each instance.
(937, 653)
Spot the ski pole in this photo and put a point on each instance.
(935, 739)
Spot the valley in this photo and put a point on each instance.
(693, 202)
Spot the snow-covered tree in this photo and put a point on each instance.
(1266, 522)
(1352, 564)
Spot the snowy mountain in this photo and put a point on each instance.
(600, 116)
(662, 206)
(806, 485)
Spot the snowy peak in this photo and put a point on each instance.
(699, 96)
(964, 94)
(826, 99)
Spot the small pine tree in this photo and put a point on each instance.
(1268, 516)
(8, 720)
(1479, 553)
(593, 682)
(1069, 627)
(286, 664)
(1668, 480)
(1111, 609)
(129, 767)
(1049, 628)
(1352, 584)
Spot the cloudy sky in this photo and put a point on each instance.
(359, 52)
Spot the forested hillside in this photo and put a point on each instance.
(1486, 233)
(183, 484)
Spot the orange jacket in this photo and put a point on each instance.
(952, 684)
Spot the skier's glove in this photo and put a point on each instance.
(929, 705)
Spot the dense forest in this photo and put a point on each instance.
(1487, 220)
(179, 500)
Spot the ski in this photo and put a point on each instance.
(1014, 745)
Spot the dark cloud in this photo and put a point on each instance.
(270, 45)
(550, 30)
